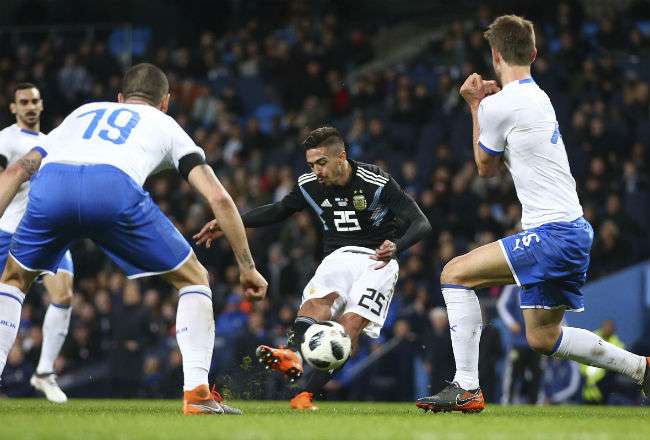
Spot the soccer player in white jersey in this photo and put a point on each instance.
(90, 186)
(15, 141)
(550, 257)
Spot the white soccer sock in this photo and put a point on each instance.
(465, 322)
(588, 348)
(11, 303)
(195, 334)
(55, 329)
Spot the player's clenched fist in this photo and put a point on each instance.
(208, 233)
(475, 88)
(253, 284)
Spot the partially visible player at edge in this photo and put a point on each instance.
(90, 186)
(15, 141)
(550, 258)
(359, 206)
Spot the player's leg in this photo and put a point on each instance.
(482, 267)
(288, 360)
(144, 242)
(195, 336)
(37, 246)
(15, 281)
(364, 311)
(547, 335)
(55, 329)
(322, 296)
(315, 380)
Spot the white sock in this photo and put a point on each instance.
(195, 334)
(11, 303)
(588, 348)
(55, 329)
(465, 322)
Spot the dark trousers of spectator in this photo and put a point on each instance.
(523, 372)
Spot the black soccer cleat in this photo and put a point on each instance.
(453, 398)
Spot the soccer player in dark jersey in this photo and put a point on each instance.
(359, 206)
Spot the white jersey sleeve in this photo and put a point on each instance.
(15, 142)
(181, 144)
(495, 121)
(6, 147)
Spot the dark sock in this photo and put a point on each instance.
(297, 332)
(316, 380)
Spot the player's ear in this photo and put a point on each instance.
(13, 108)
(120, 97)
(533, 56)
(164, 104)
(496, 56)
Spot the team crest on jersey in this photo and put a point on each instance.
(359, 200)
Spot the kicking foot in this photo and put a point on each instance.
(284, 360)
(46, 383)
(453, 398)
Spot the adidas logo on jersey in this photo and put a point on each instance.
(326, 204)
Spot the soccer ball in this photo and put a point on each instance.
(326, 346)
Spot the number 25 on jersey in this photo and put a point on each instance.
(346, 221)
(119, 124)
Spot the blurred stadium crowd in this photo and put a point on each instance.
(248, 95)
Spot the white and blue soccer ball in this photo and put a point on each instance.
(326, 346)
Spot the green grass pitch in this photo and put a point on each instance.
(156, 419)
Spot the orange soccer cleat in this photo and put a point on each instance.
(203, 401)
(303, 402)
(284, 360)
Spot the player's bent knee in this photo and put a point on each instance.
(63, 298)
(16, 276)
(192, 273)
(353, 325)
(454, 273)
(541, 342)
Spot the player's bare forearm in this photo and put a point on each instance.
(225, 212)
(476, 130)
(487, 165)
(15, 175)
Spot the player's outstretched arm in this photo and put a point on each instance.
(205, 181)
(15, 174)
(473, 90)
(261, 216)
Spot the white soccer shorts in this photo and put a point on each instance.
(349, 272)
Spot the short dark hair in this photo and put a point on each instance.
(513, 37)
(23, 86)
(323, 137)
(145, 81)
